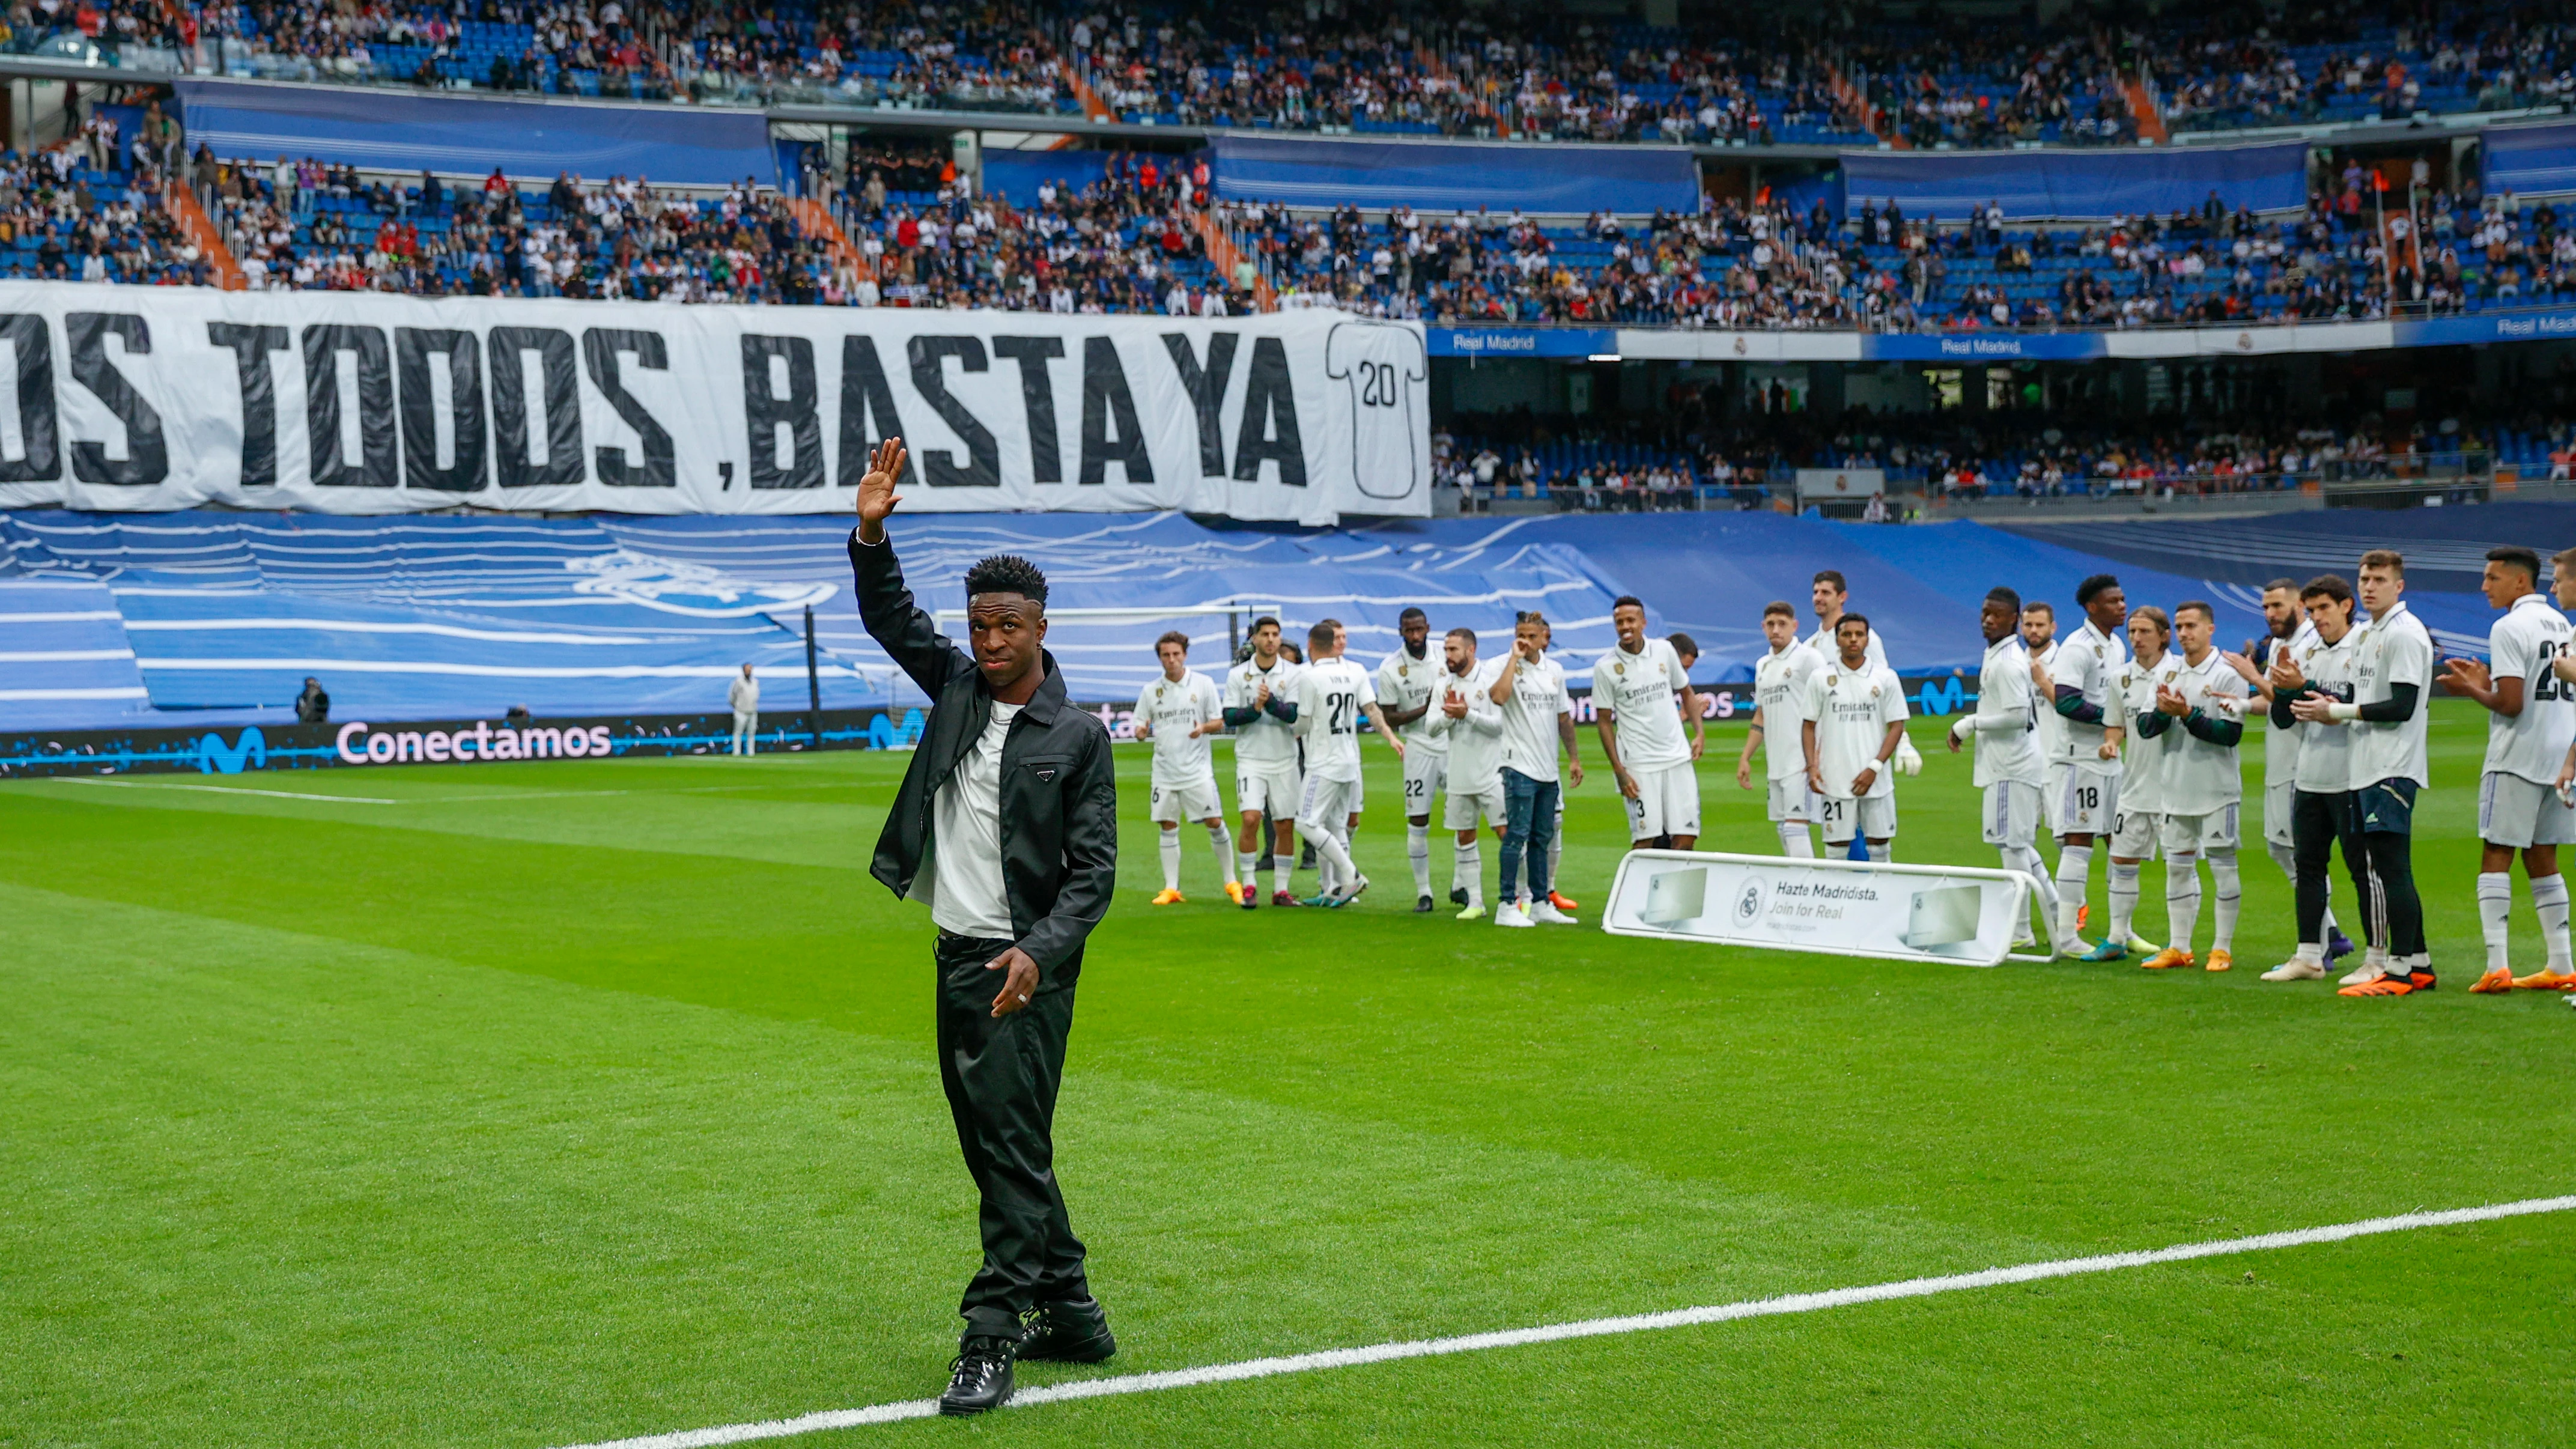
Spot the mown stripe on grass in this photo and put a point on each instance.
(1262, 1368)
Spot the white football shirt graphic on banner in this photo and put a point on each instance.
(1384, 367)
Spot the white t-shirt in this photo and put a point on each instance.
(2090, 661)
(1829, 652)
(1530, 740)
(1404, 682)
(1173, 709)
(2281, 745)
(965, 864)
(1383, 366)
(2142, 780)
(2005, 699)
(1780, 694)
(1268, 740)
(2200, 777)
(2532, 744)
(2325, 750)
(1330, 693)
(1475, 742)
(1638, 689)
(1852, 710)
(2393, 649)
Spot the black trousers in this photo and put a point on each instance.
(1001, 1074)
(2319, 823)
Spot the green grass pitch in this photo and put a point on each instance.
(555, 1102)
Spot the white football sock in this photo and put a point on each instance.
(1170, 843)
(2549, 898)
(2124, 901)
(1283, 870)
(2287, 858)
(2182, 900)
(2074, 881)
(1556, 853)
(1332, 860)
(1248, 866)
(2229, 888)
(2025, 858)
(1417, 848)
(1882, 854)
(1224, 849)
(1470, 870)
(1795, 842)
(2495, 915)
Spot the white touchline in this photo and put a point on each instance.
(1262, 1368)
(222, 790)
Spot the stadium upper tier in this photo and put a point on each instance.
(119, 620)
(1957, 83)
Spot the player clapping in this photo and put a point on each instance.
(1855, 720)
(1178, 712)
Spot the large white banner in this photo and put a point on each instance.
(1961, 914)
(343, 402)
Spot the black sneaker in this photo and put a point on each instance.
(1423, 906)
(1457, 895)
(1070, 1332)
(979, 1378)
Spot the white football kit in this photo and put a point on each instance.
(1475, 747)
(2281, 750)
(2518, 803)
(2089, 662)
(1404, 682)
(2010, 767)
(1266, 777)
(1780, 701)
(1640, 691)
(1332, 697)
(2138, 822)
(1184, 778)
(2202, 784)
(1852, 710)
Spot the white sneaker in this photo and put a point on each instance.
(1511, 915)
(1546, 913)
(2296, 970)
(2367, 971)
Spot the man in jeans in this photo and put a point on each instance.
(1537, 718)
(1007, 825)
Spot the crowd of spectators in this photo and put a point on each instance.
(1330, 65)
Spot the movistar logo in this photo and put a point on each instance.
(1942, 696)
(214, 757)
(885, 734)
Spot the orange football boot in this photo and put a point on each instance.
(2496, 982)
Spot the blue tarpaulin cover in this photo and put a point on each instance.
(2087, 185)
(1455, 175)
(2526, 159)
(391, 130)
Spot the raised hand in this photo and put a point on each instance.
(877, 497)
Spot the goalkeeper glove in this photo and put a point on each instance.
(1909, 760)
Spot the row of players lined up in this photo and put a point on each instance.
(1481, 734)
(2130, 728)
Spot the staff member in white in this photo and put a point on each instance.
(2392, 671)
(1472, 724)
(1178, 712)
(744, 695)
(2010, 767)
(1855, 718)
(2530, 725)
(2286, 630)
(1405, 680)
(1779, 718)
(1333, 696)
(1261, 708)
(2198, 722)
(2135, 826)
(2083, 684)
(1537, 718)
(1829, 595)
(1638, 689)
(2321, 811)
